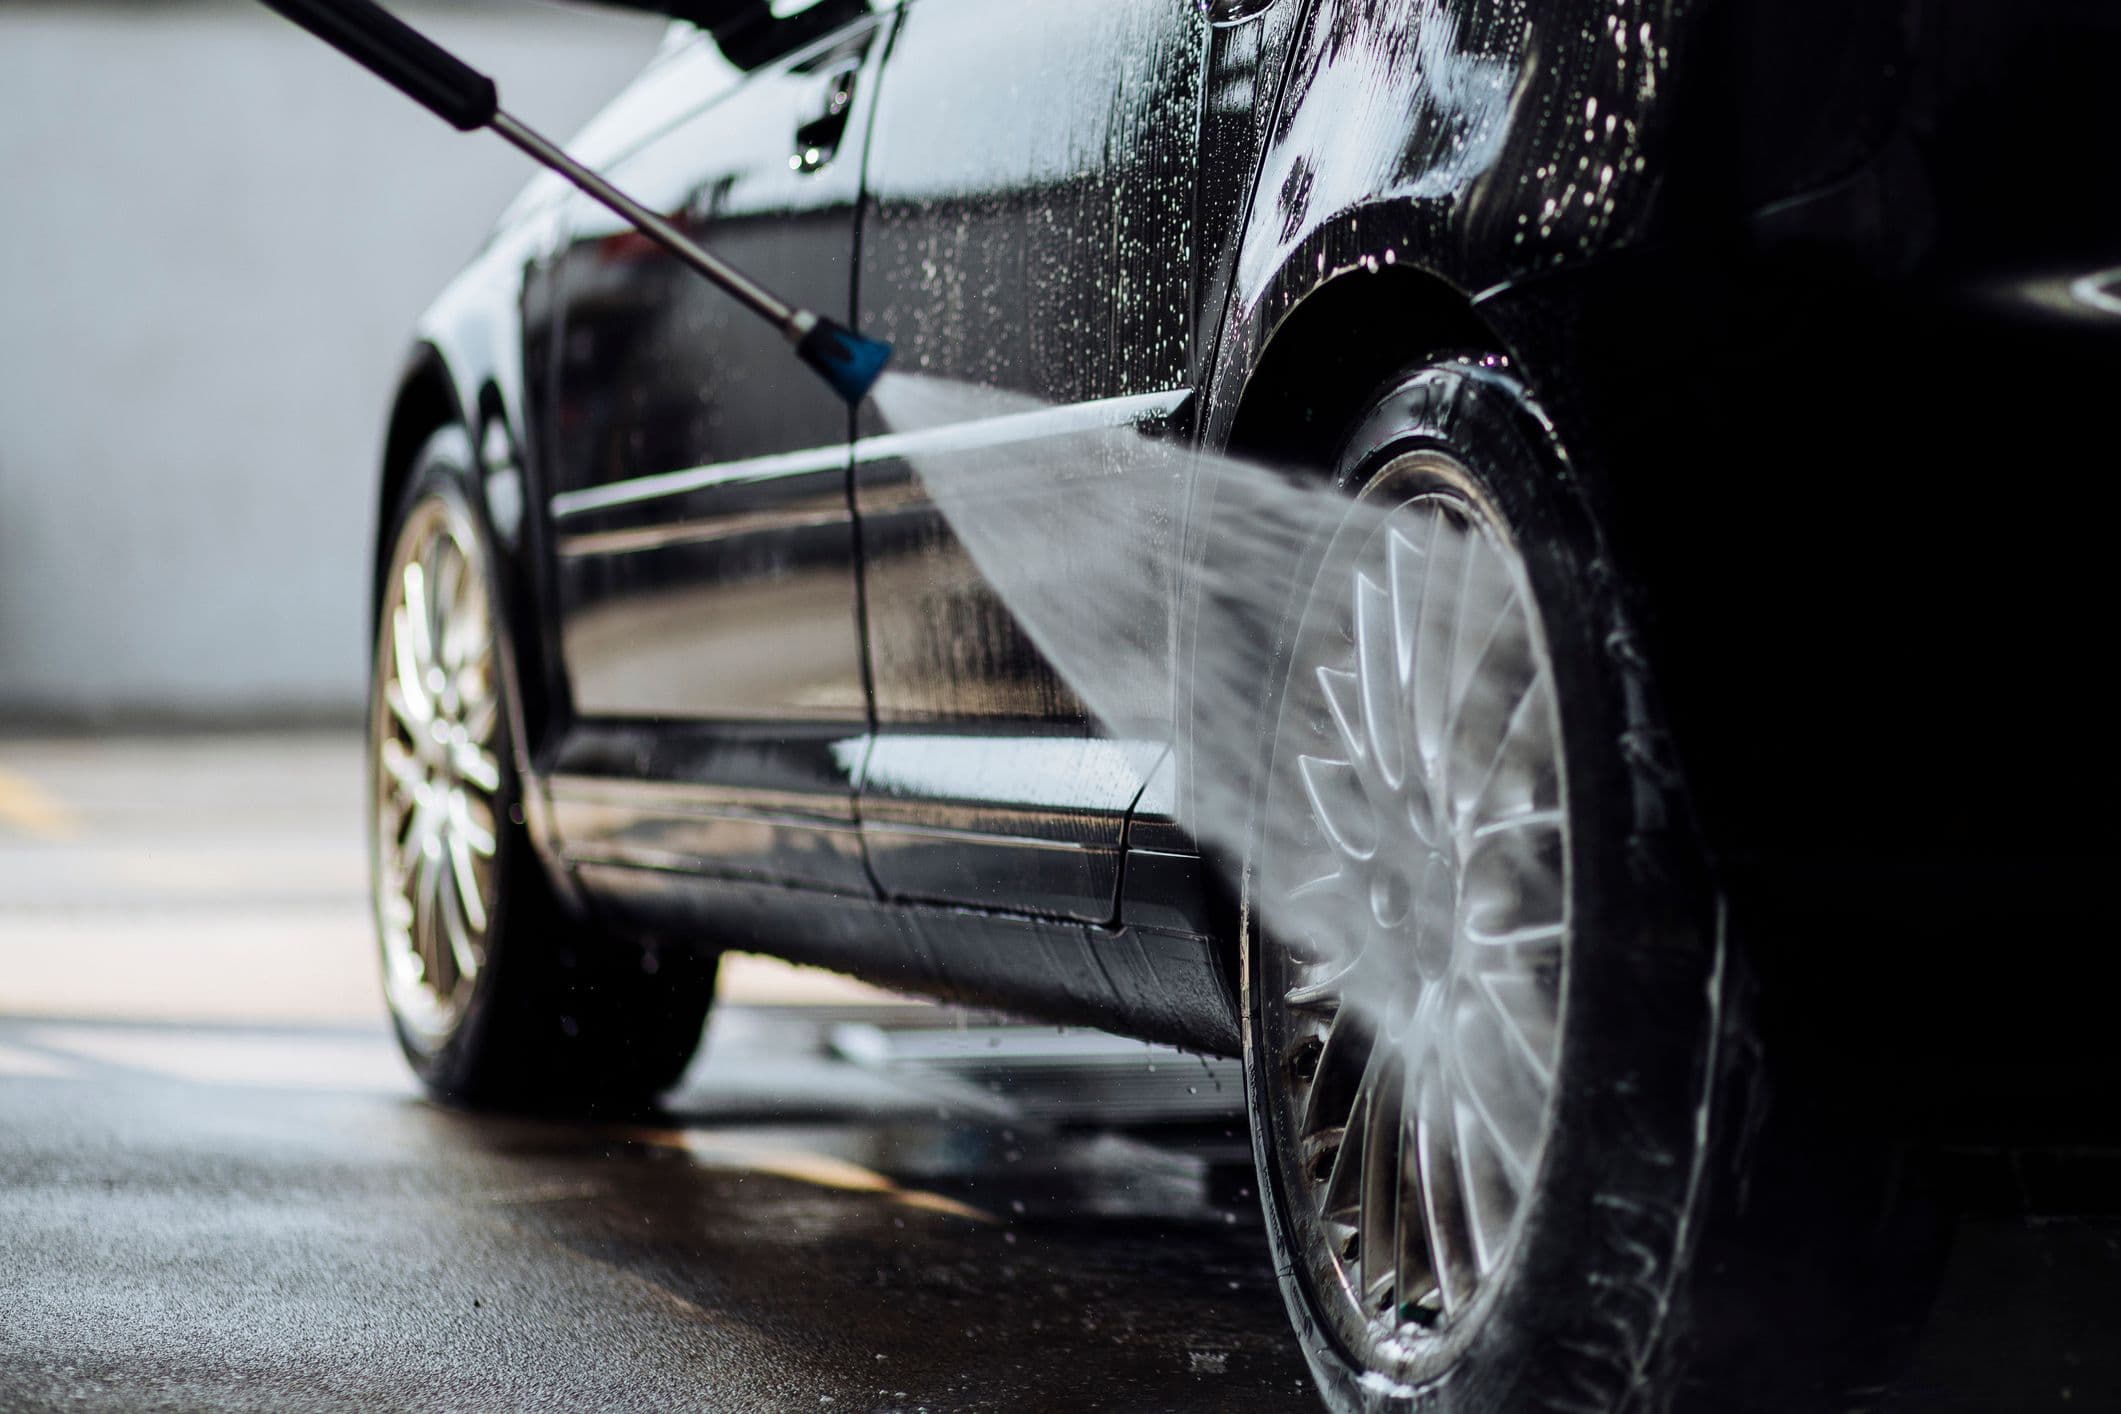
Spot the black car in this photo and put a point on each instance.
(1683, 735)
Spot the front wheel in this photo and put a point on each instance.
(498, 994)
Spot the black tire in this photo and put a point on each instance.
(1691, 1238)
(561, 1014)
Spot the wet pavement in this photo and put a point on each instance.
(843, 1208)
(220, 1189)
(215, 1217)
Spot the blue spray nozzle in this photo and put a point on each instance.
(849, 362)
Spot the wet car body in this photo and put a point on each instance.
(1814, 294)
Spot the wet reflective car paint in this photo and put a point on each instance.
(658, 375)
(1309, 188)
(1047, 255)
(705, 546)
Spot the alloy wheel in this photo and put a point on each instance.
(435, 771)
(1414, 899)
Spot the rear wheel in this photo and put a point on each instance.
(498, 993)
(1413, 1004)
(1502, 1073)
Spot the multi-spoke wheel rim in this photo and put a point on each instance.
(435, 772)
(1414, 900)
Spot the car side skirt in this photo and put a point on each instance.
(1144, 982)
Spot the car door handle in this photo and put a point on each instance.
(818, 140)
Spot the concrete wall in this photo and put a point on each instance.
(215, 235)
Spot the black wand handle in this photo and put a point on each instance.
(401, 56)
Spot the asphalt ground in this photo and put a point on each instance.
(220, 1189)
(217, 1217)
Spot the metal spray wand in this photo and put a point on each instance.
(467, 100)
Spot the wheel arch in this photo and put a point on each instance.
(431, 397)
(425, 403)
(1301, 353)
(1337, 340)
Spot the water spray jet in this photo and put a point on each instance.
(1069, 531)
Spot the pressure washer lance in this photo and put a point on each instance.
(467, 100)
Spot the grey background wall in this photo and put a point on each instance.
(215, 236)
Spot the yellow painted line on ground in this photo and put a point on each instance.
(801, 1166)
(28, 810)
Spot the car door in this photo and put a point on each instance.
(1027, 228)
(703, 535)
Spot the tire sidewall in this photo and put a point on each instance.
(1577, 1316)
